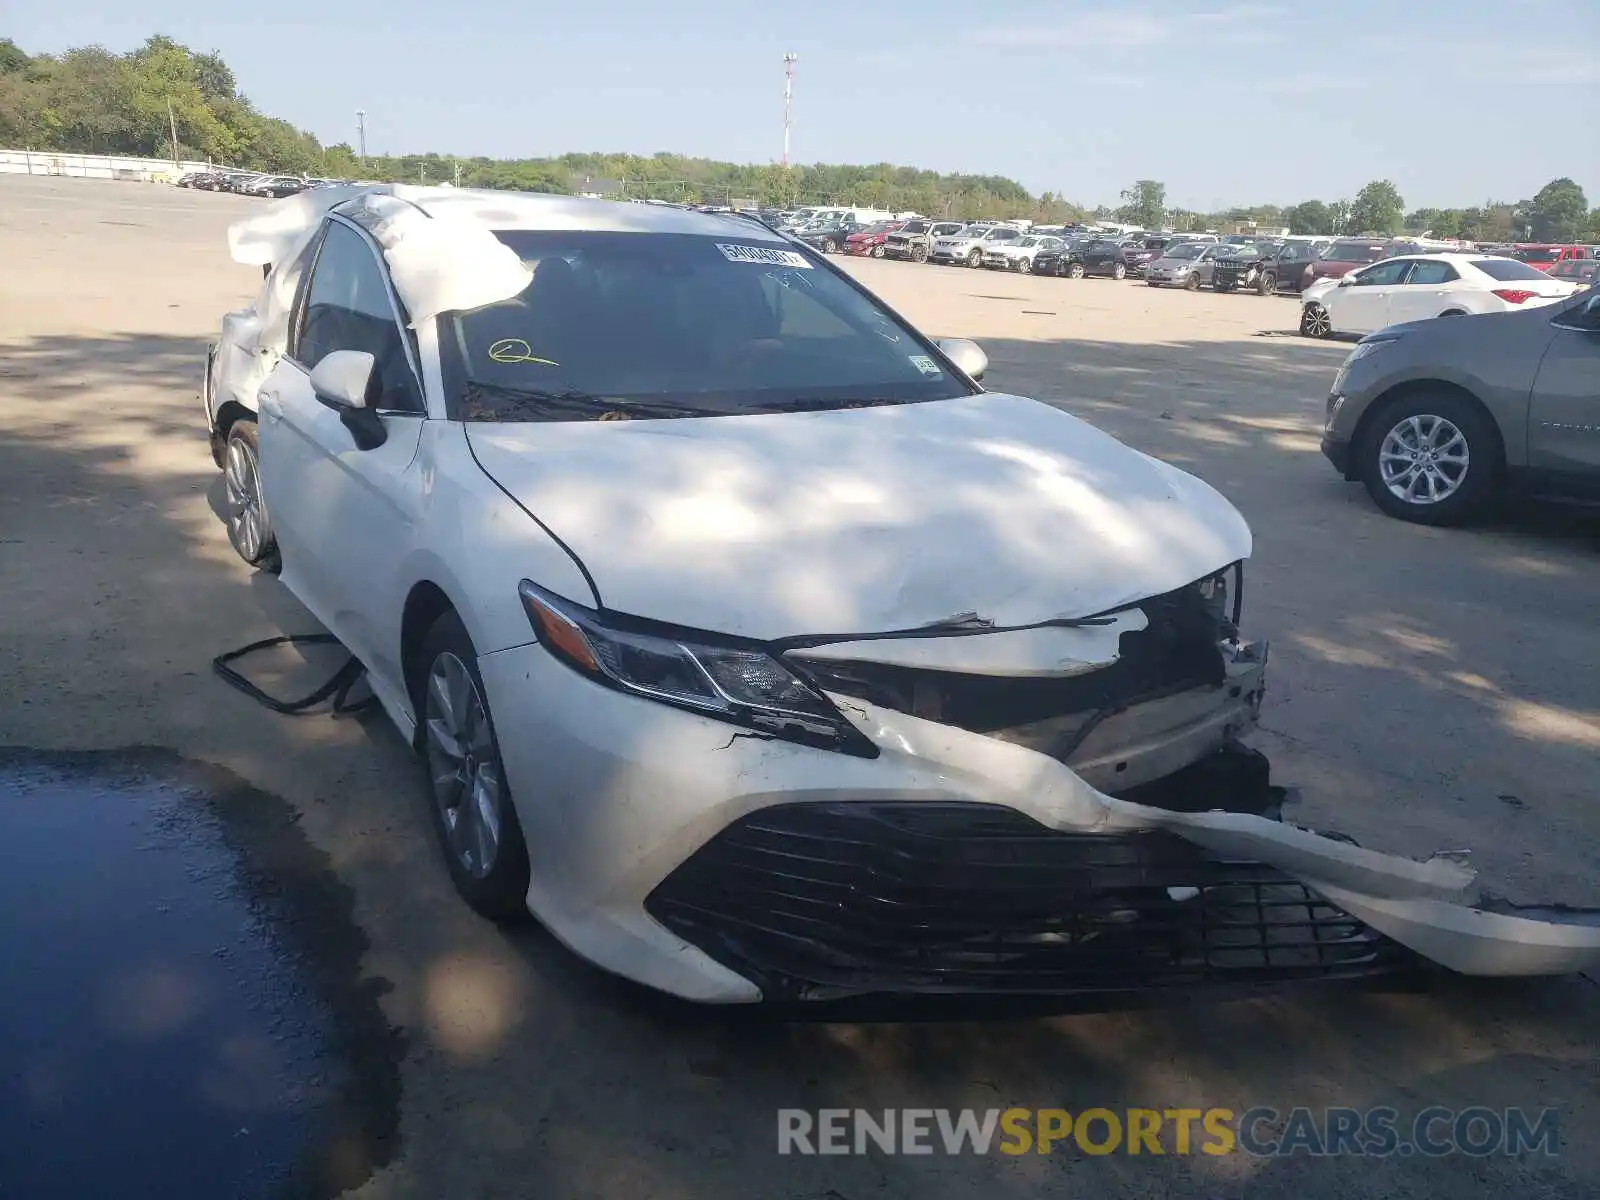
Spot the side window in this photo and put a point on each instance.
(1432, 272)
(1383, 273)
(348, 308)
(1585, 315)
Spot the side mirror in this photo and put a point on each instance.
(1346, 280)
(966, 355)
(342, 381)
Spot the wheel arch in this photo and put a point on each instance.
(1405, 390)
(425, 604)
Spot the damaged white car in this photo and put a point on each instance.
(753, 646)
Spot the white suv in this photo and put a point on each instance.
(969, 245)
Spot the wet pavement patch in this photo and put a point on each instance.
(183, 1011)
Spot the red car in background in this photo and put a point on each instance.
(1544, 255)
(1344, 256)
(870, 240)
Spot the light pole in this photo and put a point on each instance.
(361, 134)
(788, 102)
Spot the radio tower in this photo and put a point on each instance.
(788, 102)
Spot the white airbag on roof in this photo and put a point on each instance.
(440, 264)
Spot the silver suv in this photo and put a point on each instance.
(968, 245)
(913, 241)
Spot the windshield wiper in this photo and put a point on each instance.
(534, 404)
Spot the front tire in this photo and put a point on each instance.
(1119, 270)
(1191, 282)
(1025, 265)
(1431, 457)
(1267, 285)
(975, 259)
(473, 816)
(1074, 270)
(829, 246)
(1315, 321)
(877, 252)
(919, 254)
(249, 529)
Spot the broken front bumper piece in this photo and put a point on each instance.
(1059, 889)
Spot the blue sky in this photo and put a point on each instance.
(1456, 102)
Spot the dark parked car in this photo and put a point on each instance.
(1273, 269)
(830, 236)
(1097, 256)
(1435, 417)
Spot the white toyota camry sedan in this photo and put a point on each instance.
(753, 646)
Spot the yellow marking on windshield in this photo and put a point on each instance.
(515, 350)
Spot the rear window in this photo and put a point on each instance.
(1507, 269)
(1536, 254)
(1355, 252)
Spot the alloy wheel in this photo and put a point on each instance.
(1316, 322)
(246, 519)
(1424, 459)
(462, 766)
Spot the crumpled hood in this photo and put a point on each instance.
(864, 520)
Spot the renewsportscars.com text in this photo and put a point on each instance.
(1261, 1132)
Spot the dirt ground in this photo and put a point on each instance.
(1429, 690)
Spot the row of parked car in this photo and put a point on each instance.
(253, 183)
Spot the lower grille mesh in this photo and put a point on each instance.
(815, 900)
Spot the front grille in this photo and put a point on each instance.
(814, 901)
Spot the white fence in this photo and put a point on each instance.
(94, 166)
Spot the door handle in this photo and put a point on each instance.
(271, 406)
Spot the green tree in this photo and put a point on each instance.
(12, 59)
(1558, 213)
(1377, 208)
(1309, 216)
(1145, 203)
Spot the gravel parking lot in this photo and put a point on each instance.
(1429, 690)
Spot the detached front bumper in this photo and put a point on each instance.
(723, 866)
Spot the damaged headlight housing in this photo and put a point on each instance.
(1224, 594)
(742, 685)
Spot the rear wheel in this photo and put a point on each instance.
(249, 530)
(829, 246)
(473, 816)
(1315, 321)
(1431, 457)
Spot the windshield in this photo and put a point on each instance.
(915, 227)
(1355, 252)
(620, 325)
(1506, 269)
(1536, 254)
(1184, 250)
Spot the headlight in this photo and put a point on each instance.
(1367, 347)
(739, 684)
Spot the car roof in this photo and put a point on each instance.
(530, 210)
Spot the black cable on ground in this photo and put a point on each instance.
(337, 688)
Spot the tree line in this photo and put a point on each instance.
(89, 100)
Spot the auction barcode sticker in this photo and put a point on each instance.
(763, 255)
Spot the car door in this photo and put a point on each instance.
(1360, 304)
(1425, 291)
(341, 513)
(1564, 408)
